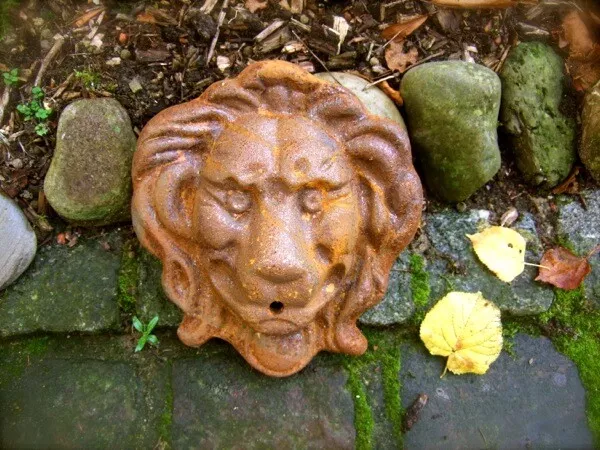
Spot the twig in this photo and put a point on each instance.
(316, 57)
(4, 102)
(48, 59)
(424, 60)
(378, 81)
(213, 43)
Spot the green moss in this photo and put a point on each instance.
(419, 286)
(128, 277)
(16, 356)
(166, 418)
(363, 416)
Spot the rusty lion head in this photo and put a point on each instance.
(277, 206)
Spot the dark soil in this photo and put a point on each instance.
(164, 46)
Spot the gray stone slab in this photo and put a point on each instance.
(534, 400)
(219, 402)
(65, 289)
(152, 300)
(453, 264)
(67, 404)
(580, 227)
(397, 305)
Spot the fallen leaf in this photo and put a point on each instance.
(563, 269)
(466, 328)
(481, 3)
(398, 59)
(570, 185)
(398, 31)
(583, 62)
(391, 93)
(502, 250)
(255, 5)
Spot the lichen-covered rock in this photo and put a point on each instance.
(89, 179)
(543, 138)
(66, 289)
(454, 266)
(372, 97)
(579, 228)
(452, 112)
(589, 150)
(397, 305)
(18, 243)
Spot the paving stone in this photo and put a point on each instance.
(534, 400)
(219, 402)
(88, 394)
(397, 305)
(454, 266)
(152, 300)
(580, 228)
(65, 289)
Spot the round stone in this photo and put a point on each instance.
(18, 243)
(372, 97)
(589, 151)
(89, 179)
(542, 137)
(452, 111)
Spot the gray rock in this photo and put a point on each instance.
(65, 289)
(542, 137)
(18, 243)
(533, 400)
(453, 265)
(397, 305)
(89, 179)
(580, 228)
(373, 98)
(219, 402)
(452, 112)
(589, 150)
(152, 301)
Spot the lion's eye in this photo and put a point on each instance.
(238, 201)
(311, 200)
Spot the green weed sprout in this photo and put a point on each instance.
(11, 78)
(146, 331)
(35, 110)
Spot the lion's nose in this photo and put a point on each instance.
(280, 273)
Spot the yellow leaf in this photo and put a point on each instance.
(502, 250)
(466, 328)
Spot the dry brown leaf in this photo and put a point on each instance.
(255, 5)
(399, 59)
(391, 93)
(563, 269)
(480, 3)
(570, 185)
(583, 62)
(87, 16)
(399, 31)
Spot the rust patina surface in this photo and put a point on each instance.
(277, 205)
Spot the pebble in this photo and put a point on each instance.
(18, 243)
(373, 98)
(89, 179)
(452, 111)
(542, 137)
(125, 54)
(589, 150)
(135, 85)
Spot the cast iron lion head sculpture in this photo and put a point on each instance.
(277, 205)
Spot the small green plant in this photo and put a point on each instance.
(146, 331)
(89, 79)
(35, 110)
(11, 78)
